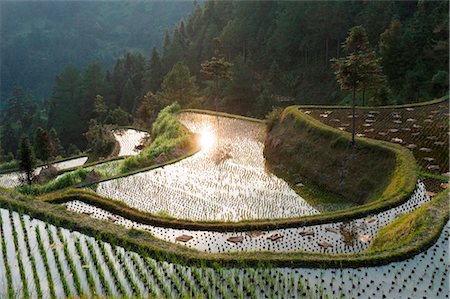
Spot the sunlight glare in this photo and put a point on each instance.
(207, 138)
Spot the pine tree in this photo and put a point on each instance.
(155, 72)
(9, 138)
(179, 86)
(93, 84)
(65, 107)
(56, 142)
(27, 161)
(128, 97)
(217, 70)
(359, 69)
(43, 145)
(100, 108)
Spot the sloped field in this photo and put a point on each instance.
(41, 260)
(226, 180)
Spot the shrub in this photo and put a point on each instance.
(168, 135)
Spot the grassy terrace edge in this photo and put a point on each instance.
(144, 243)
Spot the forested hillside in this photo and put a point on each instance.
(284, 48)
(271, 54)
(39, 38)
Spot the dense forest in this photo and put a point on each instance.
(278, 53)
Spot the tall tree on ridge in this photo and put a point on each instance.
(27, 161)
(359, 69)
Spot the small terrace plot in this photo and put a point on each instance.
(12, 180)
(130, 141)
(226, 180)
(351, 237)
(424, 130)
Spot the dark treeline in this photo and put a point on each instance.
(279, 51)
(284, 48)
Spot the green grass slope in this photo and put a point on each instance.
(300, 146)
(413, 226)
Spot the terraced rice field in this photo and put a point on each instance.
(226, 180)
(12, 180)
(424, 130)
(128, 140)
(318, 238)
(41, 260)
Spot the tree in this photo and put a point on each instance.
(178, 85)
(100, 139)
(149, 108)
(56, 142)
(43, 145)
(100, 108)
(65, 107)
(240, 91)
(359, 69)
(394, 55)
(93, 83)
(20, 107)
(9, 138)
(27, 161)
(128, 98)
(118, 117)
(155, 72)
(217, 69)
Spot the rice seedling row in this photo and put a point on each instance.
(422, 276)
(351, 237)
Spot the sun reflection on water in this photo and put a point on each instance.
(207, 138)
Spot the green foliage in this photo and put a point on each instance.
(118, 117)
(127, 80)
(93, 84)
(167, 134)
(155, 72)
(372, 171)
(149, 108)
(43, 145)
(178, 86)
(272, 118)
(13, 164)
(360, 69)
(27, 161)
(100, 139)
(65, 107)
(66, 180)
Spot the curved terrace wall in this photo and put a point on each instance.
(372, 171)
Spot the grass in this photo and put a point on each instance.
(66, 180)
(412, 226)
(9, 166)
(300, 145)
(170, 138)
